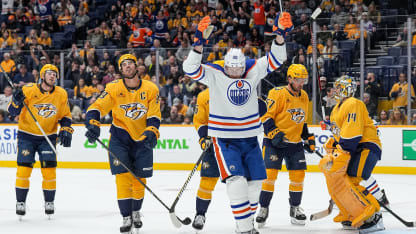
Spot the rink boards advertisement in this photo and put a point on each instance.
(178, 149)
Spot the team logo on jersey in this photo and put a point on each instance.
(239, 92)
(298, 115)
(134, 110)
(45, 110)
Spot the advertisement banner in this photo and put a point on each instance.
(409, 145)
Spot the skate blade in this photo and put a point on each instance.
(261, 225)
(298, 222)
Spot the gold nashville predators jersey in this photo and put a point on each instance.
(288, 110)
(350, 122)
(130, 108)
(201, 113)
(47, 107)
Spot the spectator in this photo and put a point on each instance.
(148, 59)
(3, 117)
(414, 119)
(44, 40)
(373, 87)
(176, 93)
(5, 97)
(322, 83)
(162, 51)
(170, 63)
(383, 118)
(31, 39)
(187, 120)
(259, 16)
(370, 28)
(256, 38)
(174, 117)
(8, 64)
(96, 36)
(397, 117)
(330, 55)
(182, 108)
(81, 21)
(74, 73)
(240, 40)
(371, 107)
(215, 54)
(187, 87)
(223, 43)
(191, 107)
(374, 14)
(324, 35)
(303, 37)
(64, 18)
(329, 100)
(94, 88)
(50, 25)
(230, 27)
(110, 75)
(23, 77)
(399, 92)
(303, 9)
(338, 17)
(217, 31)
(139, 35)
(164, 108)
(338, 34)
(183, 51)
(35, 74)
(142, 73)
(81, 90)
(44, 59)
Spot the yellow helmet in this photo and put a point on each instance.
(49, 67)
(345, 86)
(126, 57)
(297, 71)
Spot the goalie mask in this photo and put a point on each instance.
(345, 87)
(234, 63)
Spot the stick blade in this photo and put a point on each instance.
(324, 213)
(175, 220)
(316, 13)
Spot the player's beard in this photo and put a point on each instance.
(294, 89)
(131, 77)
(47, 84)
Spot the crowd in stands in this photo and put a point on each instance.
(93, 34)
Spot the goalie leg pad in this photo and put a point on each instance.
(296, 186)
(237, 190)
(343, 190)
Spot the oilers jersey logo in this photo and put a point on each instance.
(134, 110)
(239, 92)
(298, 115)
(45, 110)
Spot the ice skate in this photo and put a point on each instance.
(49, 209)
(137, 222)
(297, 215)
(20, 209)
(383, 200)
(199, 222)
(126, 228)
(346, 225)
(262, 216)
(373, 224)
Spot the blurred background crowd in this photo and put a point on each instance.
(85, 38)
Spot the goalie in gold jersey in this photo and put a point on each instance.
(134, 132)
(284, 128)
(351, 157)
(49, 105)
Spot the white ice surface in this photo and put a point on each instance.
(86, 203)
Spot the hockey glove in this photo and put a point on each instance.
(65, 136)
(93, 130)
(282, 24)
(18, 97)
(203, 32)
(278, 138)
(309, 144)
(205, 142)
(394, 94)
(149, 137)
(330, 145)
(325, 124)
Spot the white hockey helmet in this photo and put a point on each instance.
(234, 63)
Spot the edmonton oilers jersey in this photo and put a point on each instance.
(233, 111)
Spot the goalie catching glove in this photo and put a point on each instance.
(203, 32)
(65, 136)
(282, 24)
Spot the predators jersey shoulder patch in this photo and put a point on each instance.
(134, 111)
(45, 110)
(297, 115)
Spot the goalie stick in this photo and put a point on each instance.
(172, 208)
(177, 222)
(406, 223)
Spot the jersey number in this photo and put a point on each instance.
(352, 117)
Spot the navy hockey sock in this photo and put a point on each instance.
(125, 206)
(202, 206)
(21, 194)
(265, 198)
(137, 204)
(295, 198)
(49, 195)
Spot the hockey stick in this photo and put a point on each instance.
(30, 112)
(175, 220)
(406, 223)
(324, 213)
(172, 208)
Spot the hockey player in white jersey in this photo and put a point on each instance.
(234, 121)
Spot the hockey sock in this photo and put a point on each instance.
(124, 193)
(138, 193)
(49, 183)
(268, 187)
(296, 178)
(372, 186)
(22, 182)
(204, 194)
(237, 190)
(254, 188)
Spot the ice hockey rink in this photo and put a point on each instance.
(86, 203)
